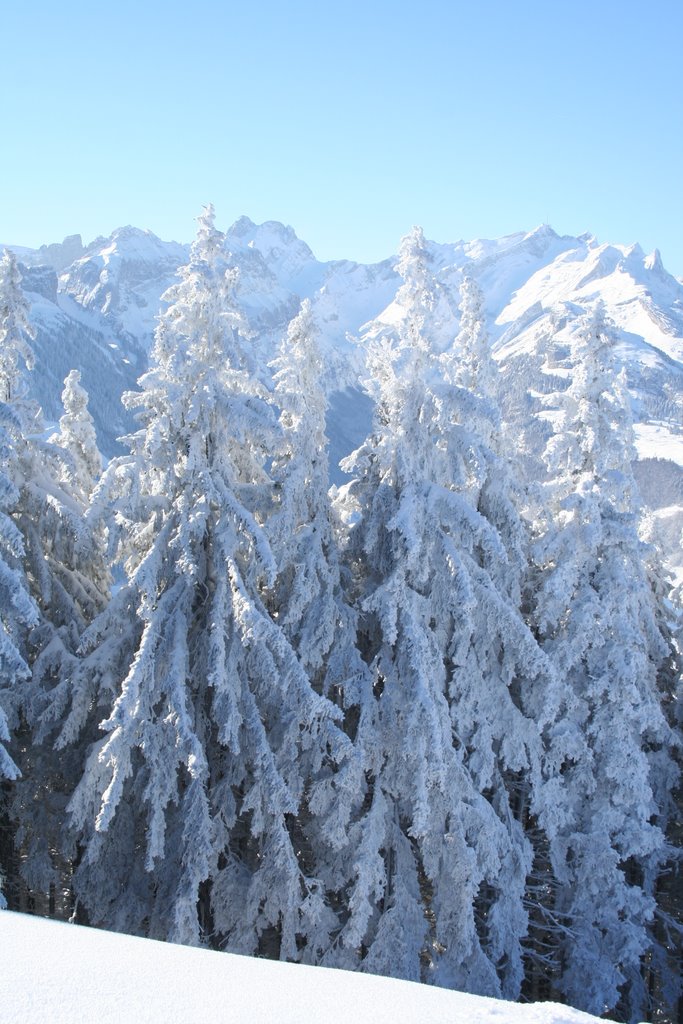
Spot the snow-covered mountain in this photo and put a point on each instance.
(94, 308)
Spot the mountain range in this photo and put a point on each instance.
(94, 308)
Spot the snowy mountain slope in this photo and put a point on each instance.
(642, 299)
(69, 336)
(122, 277)
(66, 974)
(536, 286)
(278, 270)
(99, 315)
(646, 305)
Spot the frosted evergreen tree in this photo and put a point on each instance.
(63, 473)
(191, 816)
(485, 454)
(489, 459)
(16, 333)
(82, 461)
(65, 576)
(17, 611)
(609, 768)
(472, 361)
(442, 860)
(503, 656)
(307, 590)
(308, 595)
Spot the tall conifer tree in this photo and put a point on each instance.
(609, 770)
(442, 862)
(18, 612)
(215, 740)
(65, 577)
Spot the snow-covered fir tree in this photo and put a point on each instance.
(82, 461)
(495, 654)
(18, 613)
(311, 607)
(60, 475)
(484, 453)
(309, 597)
(67, 578)
(52, 555)
(192, 816)
(609, 770)
(442, 859)
(16, 610)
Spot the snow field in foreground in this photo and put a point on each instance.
(55, 973)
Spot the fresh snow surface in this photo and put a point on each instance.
(64, 974)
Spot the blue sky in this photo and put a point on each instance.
(350, 121)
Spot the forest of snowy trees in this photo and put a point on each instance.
(422, 725)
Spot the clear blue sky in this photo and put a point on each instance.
(349, 120)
